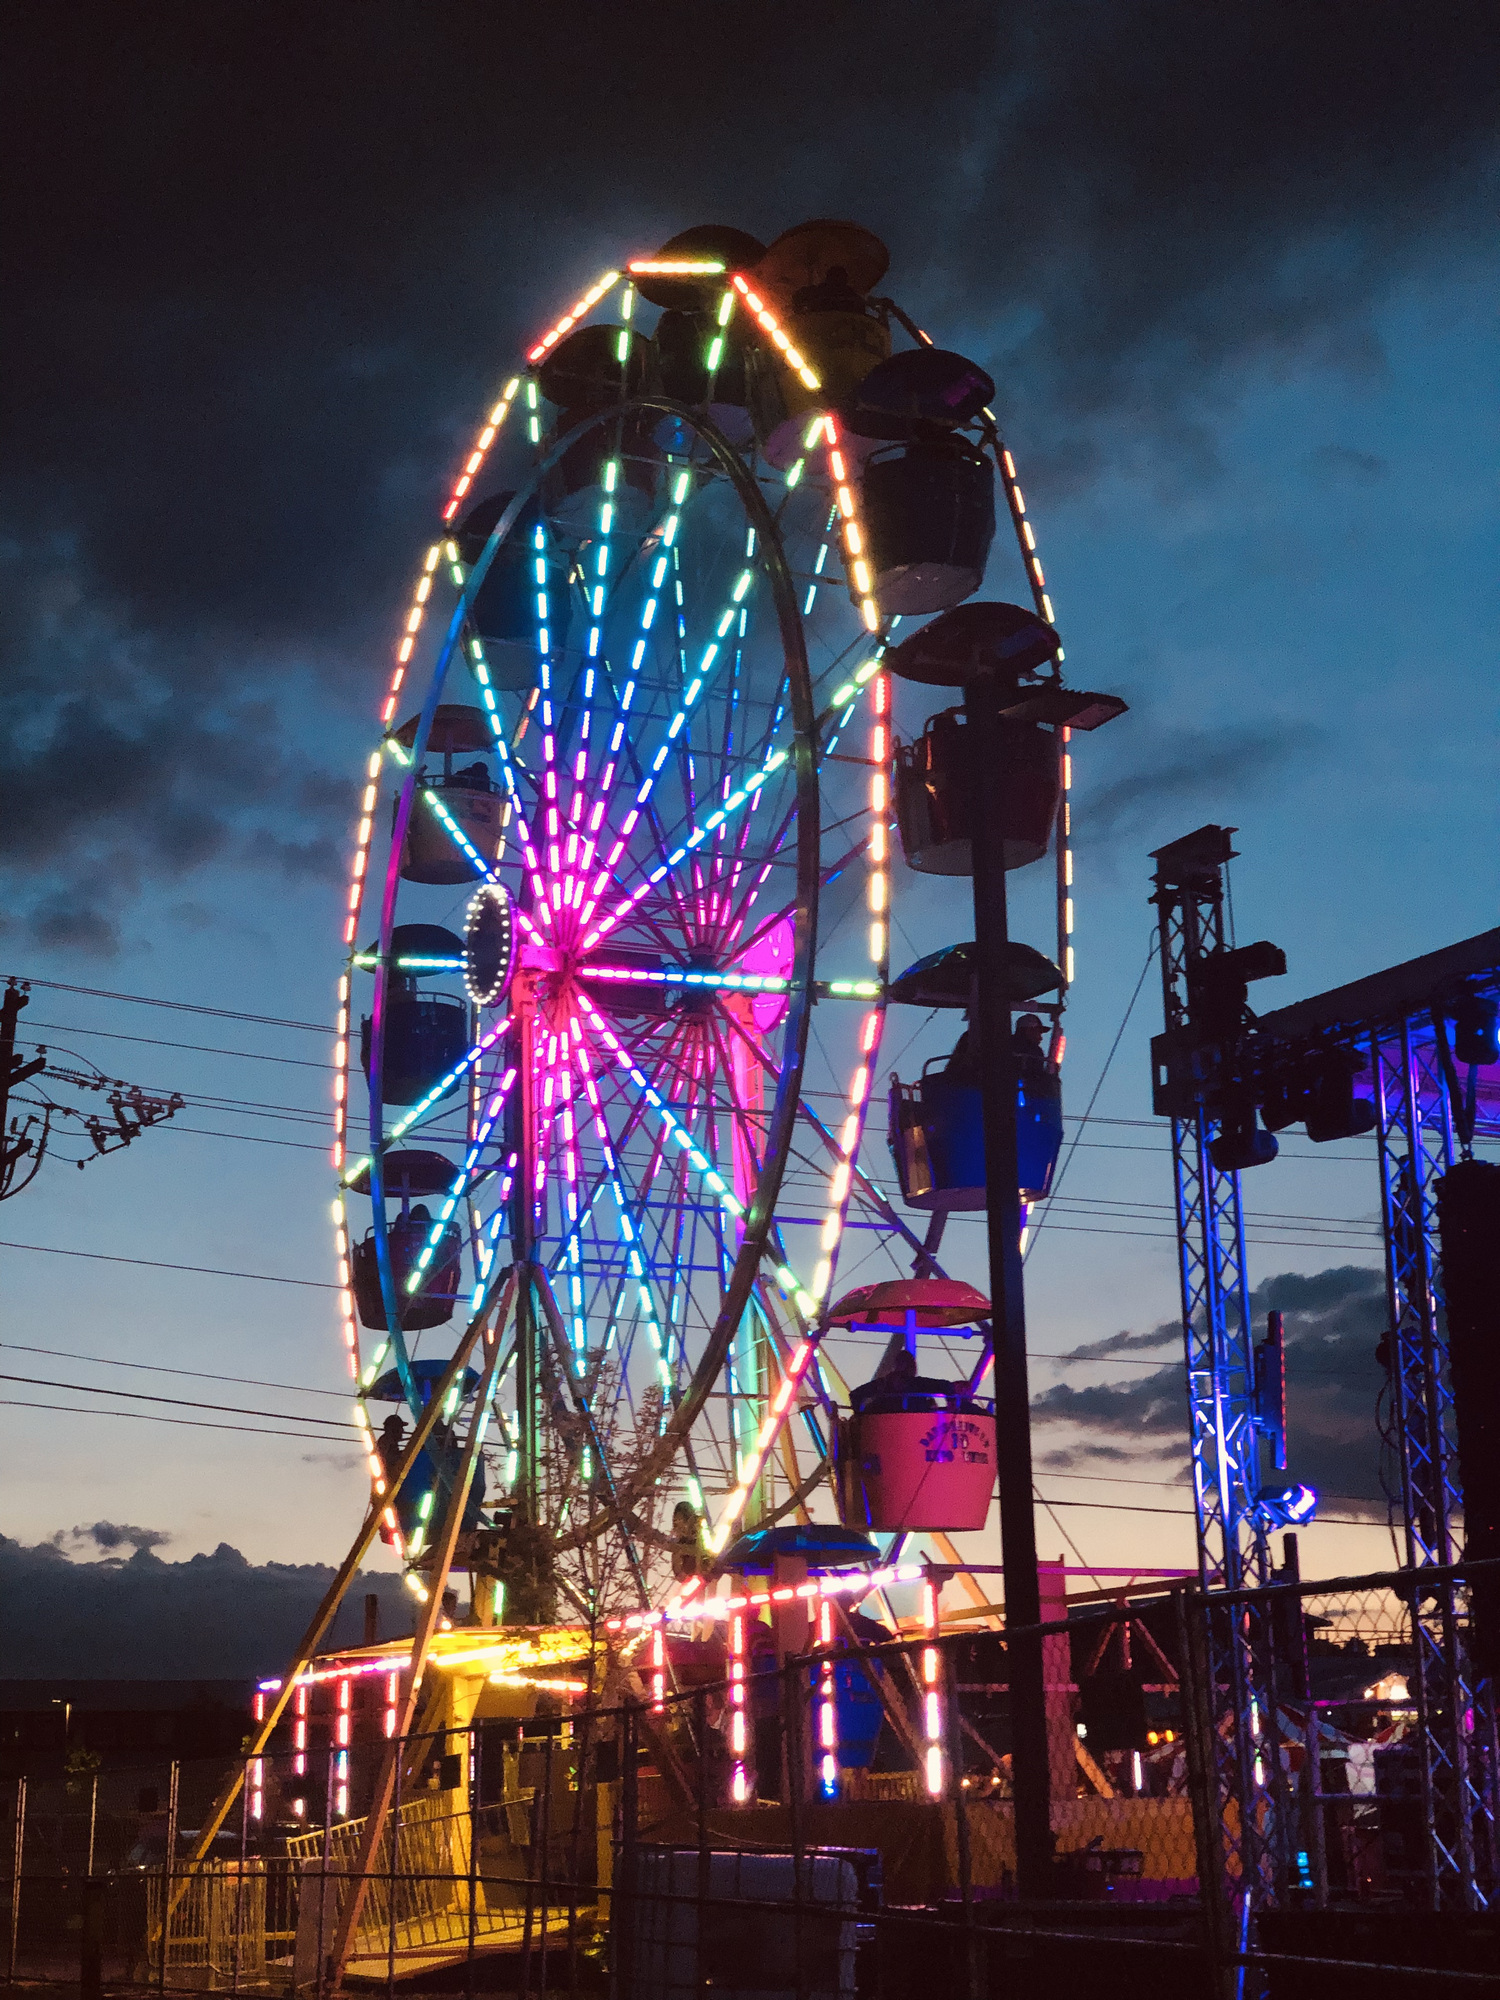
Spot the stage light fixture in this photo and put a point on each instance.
(1476, 1030)
(1242, 1144)
(1288, 1506)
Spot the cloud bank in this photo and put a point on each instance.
(1334, 1321)
(215, 1617)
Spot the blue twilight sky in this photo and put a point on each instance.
(1243, 327)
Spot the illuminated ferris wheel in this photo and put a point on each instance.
(618, 928)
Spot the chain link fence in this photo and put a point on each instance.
(1318, 1815)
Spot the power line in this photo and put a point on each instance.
(303, 1437)
(1177, 1485)
(176, 1006)
(155, 1264)
(246, 1138)
(188, 1423)
(199, 1048)
(177, 1402)
(1186, 1514)
(161, 1368)
(1036, 1235)
(1165, 1236)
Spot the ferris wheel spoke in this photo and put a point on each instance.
(690, 695)
(738, 799)
(630, 1217)
(663, 1113)
(438, 1092)
(417, 1278)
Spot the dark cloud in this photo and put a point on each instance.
(1125, 1343)
(1333, 1319)
(217, 1615)
(1342, 465)
(1218, 766)
(264, 264)
(112, 1535)
(1067, 1458)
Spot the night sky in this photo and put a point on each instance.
(1233, 270)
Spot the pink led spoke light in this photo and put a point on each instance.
(741, 1767)
(932, 1698)
(629, 1221)
(828, 1714)
(744, 795)
(668, 1118)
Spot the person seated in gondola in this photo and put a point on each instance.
(899, 1387)
(392, 1436)
(1026, 1043)
(1026, 1046)
(834, 294)
(473, 778)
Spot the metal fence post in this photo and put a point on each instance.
(583, 1769)
(705, 1863)
(169, 1870)
(474, 1741)
(392, 1838)
(1199, 1731)
(239, 1887)
(623, 1912)
(18, 1855)
(972, 1947)
(544, 1842)
(324, 1871)
(793, 1762)
(91, 1940)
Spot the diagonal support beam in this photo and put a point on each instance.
(427, 1623)
(324, 1616)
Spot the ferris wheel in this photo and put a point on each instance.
(617, 938)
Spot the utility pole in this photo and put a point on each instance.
(13, 1071)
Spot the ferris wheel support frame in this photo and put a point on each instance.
(493, 1310)
(444, 1547)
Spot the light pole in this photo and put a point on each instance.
(990, 650)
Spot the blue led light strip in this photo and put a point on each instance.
(728, 1201)
(457, 834)
(461, 1181)
(438, 1090)
(735, 982)
(486, 1251)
